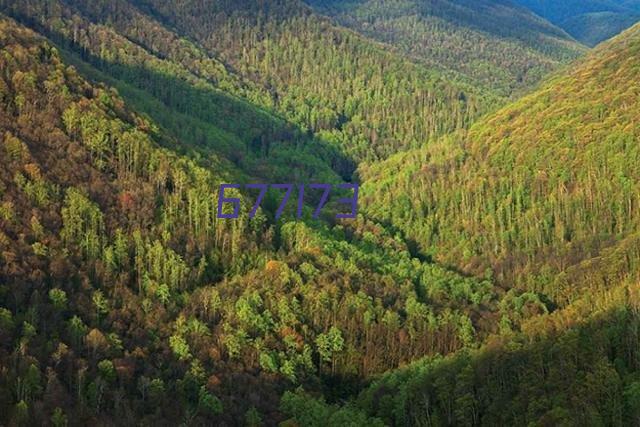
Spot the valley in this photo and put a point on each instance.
(155, 267)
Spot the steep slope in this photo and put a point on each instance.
(494, 44)
(191, 94)
(544, 192)
(353, 94)
(590, 21)
(125, 299)
(577, 366)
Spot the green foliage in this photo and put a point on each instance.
(6, 211)
(330, 344)
(77, 330)
(59, 419)
(309, 411)
(100, 304)
(107, 370)
(28, 330)
(21, 413)
(252, 418)
(208, 403)
(180, 347)
(83, 223)
(58, 298)
(16, 150)
(6, 320)
(496, 47)
(632, 400)
(29, 384)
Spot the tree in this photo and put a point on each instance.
(96, 342)
(329, 345)
(58, 418)
(83, 224)
(208, 404)
(100, 303)
(21, 414)
(58, 298)
(107, 370)
(6, 323)
(180, 347)
(252, 418)
(632, 400)
(29, 385)
(77, 330)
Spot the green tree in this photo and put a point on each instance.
(208, 404)
(58, 418)
(58, 298)
(180, 347)
(329, 344)
(77, 330)
(83, 224)
(252, 417)
(100, 304)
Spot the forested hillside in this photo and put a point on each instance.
(578, 366)
(123, 297)
(544, 192)
(493, 44)
(351, 93)
(589, 21)
(490, 277)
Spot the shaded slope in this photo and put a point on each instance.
(589, 21)
(189, 93)
(578, 366)
(349, 91)
(593, 28)
(494, 44)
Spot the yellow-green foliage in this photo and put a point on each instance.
(542, 184)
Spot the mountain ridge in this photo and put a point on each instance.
(455, 37)
(591, 21)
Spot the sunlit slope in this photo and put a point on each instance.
(542, 192)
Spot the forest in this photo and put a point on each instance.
(498, 47)
(489, 276)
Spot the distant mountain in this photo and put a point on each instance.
(592, 28)
(495, 44)
(589, 21)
